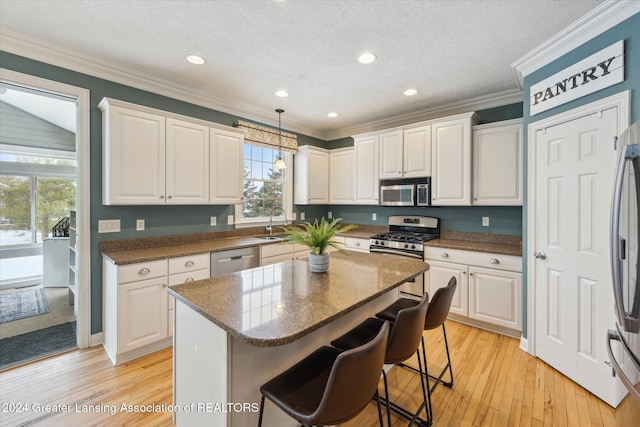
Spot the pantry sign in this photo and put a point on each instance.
(602, 69)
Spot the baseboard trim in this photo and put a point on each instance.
(524, 344)
(96, 339)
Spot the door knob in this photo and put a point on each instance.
(540, 255)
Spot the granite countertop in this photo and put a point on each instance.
(479, 242)
(280, 303)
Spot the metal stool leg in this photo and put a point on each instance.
(261, 411)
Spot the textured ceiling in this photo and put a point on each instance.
(450, 51)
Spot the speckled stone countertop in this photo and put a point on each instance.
(246, 304)
(479, 242)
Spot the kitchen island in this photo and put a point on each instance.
(235, 332)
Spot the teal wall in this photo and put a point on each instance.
(160, 220)
(628, 31)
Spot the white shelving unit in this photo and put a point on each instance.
(73, 237)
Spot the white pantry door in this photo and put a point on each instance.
(574, 168)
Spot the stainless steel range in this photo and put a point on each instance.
(405, 237)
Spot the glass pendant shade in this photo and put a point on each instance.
(279, 164)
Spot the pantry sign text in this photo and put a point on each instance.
(600, 70)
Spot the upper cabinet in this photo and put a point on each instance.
(341, 176)
(366, 168)
(151, 157)
(451, 161)
(310, 176)
(497, 163)
(405, 153)
(226, 167)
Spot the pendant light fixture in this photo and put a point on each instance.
(279, 164)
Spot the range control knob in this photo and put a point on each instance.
(413, 246)
(406, 246)
(375, 243)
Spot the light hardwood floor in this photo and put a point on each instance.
(496, 384)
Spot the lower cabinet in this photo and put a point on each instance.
(276, 252)
(489, 291)
(356, 244)
(138, 312)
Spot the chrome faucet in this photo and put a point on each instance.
(270, 227)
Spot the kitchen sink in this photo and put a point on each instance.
(271, 238)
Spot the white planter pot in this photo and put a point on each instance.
(319, 263)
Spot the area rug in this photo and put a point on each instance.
(36, 344)
(24, 303)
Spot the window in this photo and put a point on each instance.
(264, 187)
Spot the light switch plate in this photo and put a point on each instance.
(374, 216)
(213, 221)
(230, 219)
(302, 217)
(329, 214)
(485, 221)
(139, 224)
(293, 216)
(109, 226)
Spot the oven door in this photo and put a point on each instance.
(413, 289)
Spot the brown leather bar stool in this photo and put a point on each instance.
(404, 342)
(438, 311)
(330, 386)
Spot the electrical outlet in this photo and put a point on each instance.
(230, 219)
(293, 216)
(213, 221)
(139, 224)
(485, 221)
(301, 216)
(374, 216)
(329, 214)
(109, 226)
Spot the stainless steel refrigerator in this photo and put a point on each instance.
(623, 342)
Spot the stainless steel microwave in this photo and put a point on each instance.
(405, 192)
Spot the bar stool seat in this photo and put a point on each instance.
(330, 386)
(404, 342)
(436, 315)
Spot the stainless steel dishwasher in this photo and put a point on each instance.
(224, 262)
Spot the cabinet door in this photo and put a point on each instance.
(226, 168)
(318, 177)
(341, 176)
(417, 152)
(142, 313)
(439, 275)
(496, 297)
(366, 151)
(187, 163)
(451, 163)
(133, 157)
(391, 161)
(497, 165)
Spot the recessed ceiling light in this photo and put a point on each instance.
(332, 114)
(410, 92)
(196, 59)
(282, 93)
(367, 58)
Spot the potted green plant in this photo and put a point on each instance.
(318, 237)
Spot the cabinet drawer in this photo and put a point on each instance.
(480, 259)
(355, 244)
(142, 271)
(276, 259)
(189, 276)
(276, 249)
(188, 263)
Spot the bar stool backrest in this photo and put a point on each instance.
(353, 381)
(406, 332)
(440, 305)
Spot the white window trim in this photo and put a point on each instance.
(288, 201)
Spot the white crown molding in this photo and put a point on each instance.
(40, 51)
(478, 103)
(605, 16)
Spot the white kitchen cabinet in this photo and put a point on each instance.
(341, 176)
(489, 291)
(185, 269)
(451, 161)
(356, 244)
(153, 157)
(277, 252)
(133, 156)
(187, 163)
(367, 168)
(226, 167)
(311, 176)
(406, 153)
(497, 163)
(135, 309)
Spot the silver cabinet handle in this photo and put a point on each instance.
(357, 244)
(164, 285)
(494, 261)
(189, 264)
(189, 279)
(540, 255)
(144, 271)
(162, 197)
(444, 255)
(170, 197)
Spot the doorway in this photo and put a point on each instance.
(571, 164)
(44, 241)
